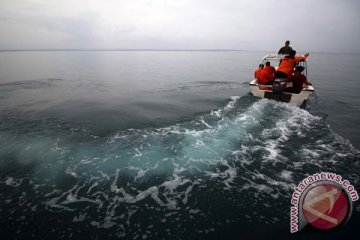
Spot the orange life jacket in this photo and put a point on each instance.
(257, 71)
(266, 75)
(287, 64)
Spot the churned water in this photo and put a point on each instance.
(165, 145)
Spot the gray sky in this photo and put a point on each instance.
(310, 25)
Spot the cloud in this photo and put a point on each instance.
(323, 25)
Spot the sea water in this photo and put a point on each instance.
(164, 144)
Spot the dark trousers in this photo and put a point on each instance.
(292, 90)
(279, 74)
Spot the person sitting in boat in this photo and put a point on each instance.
(257, 71)
(285, 49)
(266, 75)
(288, 63)
(298, 80)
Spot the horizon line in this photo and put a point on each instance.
(152, 50)
(118, 49)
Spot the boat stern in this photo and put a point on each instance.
(265, 91)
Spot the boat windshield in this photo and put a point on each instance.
(274, 57)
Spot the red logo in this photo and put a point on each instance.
(325, 206)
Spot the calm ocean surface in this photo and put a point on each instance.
(166, 144)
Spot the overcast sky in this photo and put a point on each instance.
(310, 25)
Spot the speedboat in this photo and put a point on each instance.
(276, 90)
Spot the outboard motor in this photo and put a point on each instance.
(278, 87)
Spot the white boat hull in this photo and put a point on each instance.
(265, 91)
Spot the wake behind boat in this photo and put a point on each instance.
(278, 90)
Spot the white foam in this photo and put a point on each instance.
(287, 175)
(171, 185)
(204, 122)
(86, 161)
(258, 187)
(232, 103)
(113, 186)
(216, 113)
(71, 172)
(292, 122)
(194, 211)
(151, 191)
(226, 176)
(187, 194)
(239, 137)
(141, 173)
(92, 186)
(10, 181)
(271, 148)
(312, 153)
(270, 181)
(138, 153)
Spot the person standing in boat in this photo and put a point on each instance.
(286, 67)
(285, 49)
(298, 80)
(266, 75)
